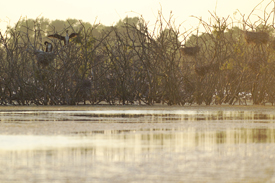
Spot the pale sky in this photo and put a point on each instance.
(108, 12)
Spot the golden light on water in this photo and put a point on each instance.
(195, 144)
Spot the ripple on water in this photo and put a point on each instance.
(154, 145)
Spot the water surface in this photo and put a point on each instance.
(137, 144)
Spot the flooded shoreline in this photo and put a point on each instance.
(137, 144)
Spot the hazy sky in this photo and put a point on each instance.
(108, 12)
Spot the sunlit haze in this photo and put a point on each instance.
(108, 12)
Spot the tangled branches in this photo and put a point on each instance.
(129, 64)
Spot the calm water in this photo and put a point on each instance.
(137, 144)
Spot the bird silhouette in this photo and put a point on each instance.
(64, 38)
(49, 46)
(191, 51)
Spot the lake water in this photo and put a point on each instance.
(122, 144)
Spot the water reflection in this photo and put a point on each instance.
(135, 115)
(229, 136)
(137, 146)
(149, 138)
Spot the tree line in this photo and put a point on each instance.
(132, 62)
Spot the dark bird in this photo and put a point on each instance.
(49, 46)
(64, 38)
(256, 37)
(191, 51)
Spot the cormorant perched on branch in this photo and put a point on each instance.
(191, 51)
(49, 46)
(64, 38)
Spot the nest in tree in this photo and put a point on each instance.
(256, 37)
(44, 58)
(202, 70)
(190, 51)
